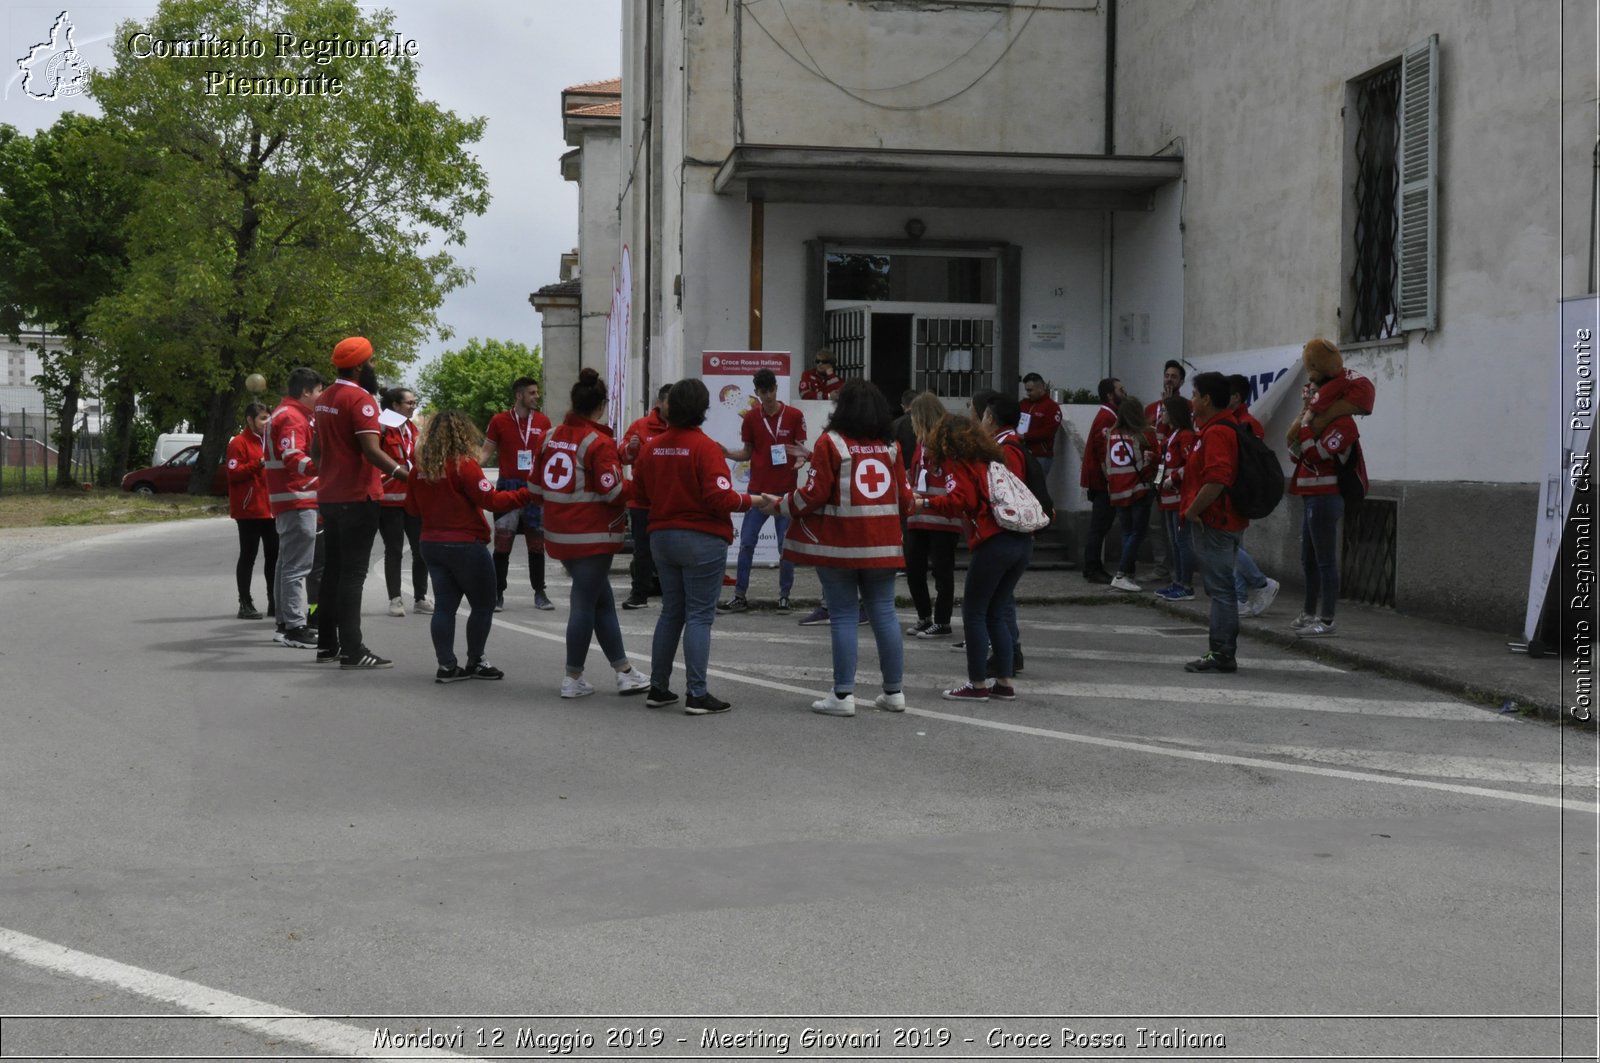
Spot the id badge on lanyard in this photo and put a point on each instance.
(1023, 422)
(524, 461)
(922, 481)
(780, 456)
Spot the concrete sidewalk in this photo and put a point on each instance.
(1462, 661)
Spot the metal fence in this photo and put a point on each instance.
(1368, 554)
(29, 449)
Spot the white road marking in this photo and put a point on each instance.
(1434, 765)
(324, 1036)
(1273, 699)
(1146, 630)
(1180, 754)
(1293, 664)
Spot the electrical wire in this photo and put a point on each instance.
(889, 106)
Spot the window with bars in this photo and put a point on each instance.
(953, 356)
(1393, 203)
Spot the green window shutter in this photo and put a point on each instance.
(1419, 186)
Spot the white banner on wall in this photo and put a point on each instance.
(727, 375)
(619, 328)
(1276, 376)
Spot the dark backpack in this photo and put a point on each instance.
(1034, 478)
(1258, 488)
(1351, 488)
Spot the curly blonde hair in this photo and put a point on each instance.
(450, 435)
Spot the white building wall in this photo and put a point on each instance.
(1259, 125)
(599, 251)
(1146, 325)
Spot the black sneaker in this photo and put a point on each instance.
(303, 638)
(500, 603)
(454, 674)
(659, 697)
(635, 602)
(736, 604)
(365, 661)
(704, 705)
(925, 624)
(248, 610)
(329, 657)
(483, 670)
(783, 604)
(542, 601)
(1212, 662)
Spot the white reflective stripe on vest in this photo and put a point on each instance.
(580, 538)
(577, 496)
(800, 546)
(293, 496)
(860, 511)
(272, 464)
(394, 498)
(1317, 481)
(1129, 493)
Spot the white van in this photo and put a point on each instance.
(169, 443)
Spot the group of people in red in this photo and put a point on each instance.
(1182, 455)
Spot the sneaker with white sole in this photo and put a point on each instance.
(575, 686)
(422, 605)
(659, 697)
(937, 631)
(1304, 620)
(920, 626)
(632, 681)
(541, 600)
(705, 704)
(895, 702)
(1319, 629)
(819, 615)
(966, 692)
(365, 661)
(635, 602)
(833, 705)
(783, 604)
(1123, 583)
(484, 670)
(737, 604)
(397, 607)
(1176, 593)
(453, 674)
(1261, 598)
(1003, 691)
(300, 638)
(500, 603)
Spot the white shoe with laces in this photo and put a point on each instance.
(1123, 583)
(422, 605)
(397, 607)
(575, 686)
(1261, 598)
(835, 706)
(895, 702)
(632, 681)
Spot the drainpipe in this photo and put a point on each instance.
(1111, 77)
(1107, 235)
(757, 260)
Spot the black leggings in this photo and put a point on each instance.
(263, 532)
(922, 546)
(398, 527)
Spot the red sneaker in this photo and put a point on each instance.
(966, 692)
(1003, 691)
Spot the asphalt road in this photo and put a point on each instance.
(1295, 860)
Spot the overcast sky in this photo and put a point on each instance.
(505, 61)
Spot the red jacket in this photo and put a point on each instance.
(847, 513)
(1092, 473)
(813, 386)
(1348, 385)
(1316, 470)
(927, 481)
(638, 434)
(291, 474)
(1214, 459)
(967, 495)
(682, 477)
(1044, 421)
(1130, 465)
(452, 506)
(1242, 414)
(580, 478)
(247, 478)
(1173, 456)
(401, 445)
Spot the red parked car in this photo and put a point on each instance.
(172, 476)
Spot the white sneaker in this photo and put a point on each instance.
(833, 706)
(422, 605)
(632, 681)
(575, 686)
(397, 607)
(1261, 598)
(1123, 583)
(895, 702)
(1319, 629)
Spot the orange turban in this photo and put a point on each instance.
(351, 352)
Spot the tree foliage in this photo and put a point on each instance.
(63, 205)
(477, 379)
(274, 225)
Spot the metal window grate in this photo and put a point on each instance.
(1367, 552)
(954, 356)
(1375, 279)
(848, 337)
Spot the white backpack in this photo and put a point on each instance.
(1012, 504)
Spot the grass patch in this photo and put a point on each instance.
(59, 508)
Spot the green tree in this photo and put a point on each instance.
(477, 379)
(281, 216)
(63, 205)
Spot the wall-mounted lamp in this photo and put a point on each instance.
(915, 228)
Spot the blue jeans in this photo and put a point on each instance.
(749, 531)
(690, 565)
(1319, 552)
(593, 612)
(1217, 551)
(1134, 522)
(1182, 557)
(874, 587)
(460, 570)
(989, 602)
(1247, 575)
